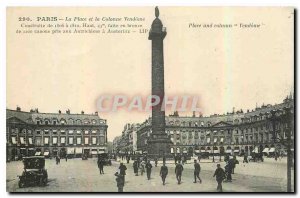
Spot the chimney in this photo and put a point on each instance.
(96, 113)
(18, 108)
(82, 112)
(59, 111)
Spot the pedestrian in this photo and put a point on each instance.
(142, 167)
(233, 162)
(245, 158)
(148, 169)
(164, 173)
(101, 165)
(57, 160)
(66, 158)
(197, 171)
(120, 182)
(164, 159)
(123, 169)
(220, 175)
(175, 159)
(156, 161)
(199, 157)
(135, 168)
(178, 171)
(228, 171)
(128, 159)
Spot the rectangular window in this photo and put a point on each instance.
(78, 132)
(86, 132)
(94, 131)
(22, 140)
(71, 131)
(86, 140)
(13, 140)
(30, 140)
(94, 140)
(78, 140)
(54, 140)
(70, 140)
(101, 140)
(63, 140)
(46, 140)
(38, 141)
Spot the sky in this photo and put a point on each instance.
(224, 67)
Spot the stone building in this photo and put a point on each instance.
(51, 134)
(233, 133)
(127, 142)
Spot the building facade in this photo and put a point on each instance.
(233, 133)
(52, 134)
(127, 142)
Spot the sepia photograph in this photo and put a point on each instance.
(150, 99)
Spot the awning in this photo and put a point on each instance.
(46, 153)
(140, 152)
(31, 149)
(255, 150)
(95, 152)
(70, 150)
(78, 150)
(37, 153)
(197, 151)
(272, 150)
(236, 151)
(203, 151)
(266, 150)
(216, 151)
(228, 151)
(184, 151)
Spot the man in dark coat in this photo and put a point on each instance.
(123, 169)
(120, 182)
(128, 159)
(164, 159)
(220, 175)
(101, 165)
(156, 161)
(163, 173)
(135, 168)
(148, 169)
(197, 171)
(228, 171)
(178, 172)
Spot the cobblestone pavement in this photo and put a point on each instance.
(78, 175)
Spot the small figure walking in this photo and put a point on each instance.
(57, 160)
(135, 168)
(120, 182)
(197, 171)
(220, 176)
(123, 169)
(148, 169)
(142, 167)
(164, 173)
(66, 158)
(101, 165)
(156, 161)
(178, 171)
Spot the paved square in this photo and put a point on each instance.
(78, 175)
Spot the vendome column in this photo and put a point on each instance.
(159, 142)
